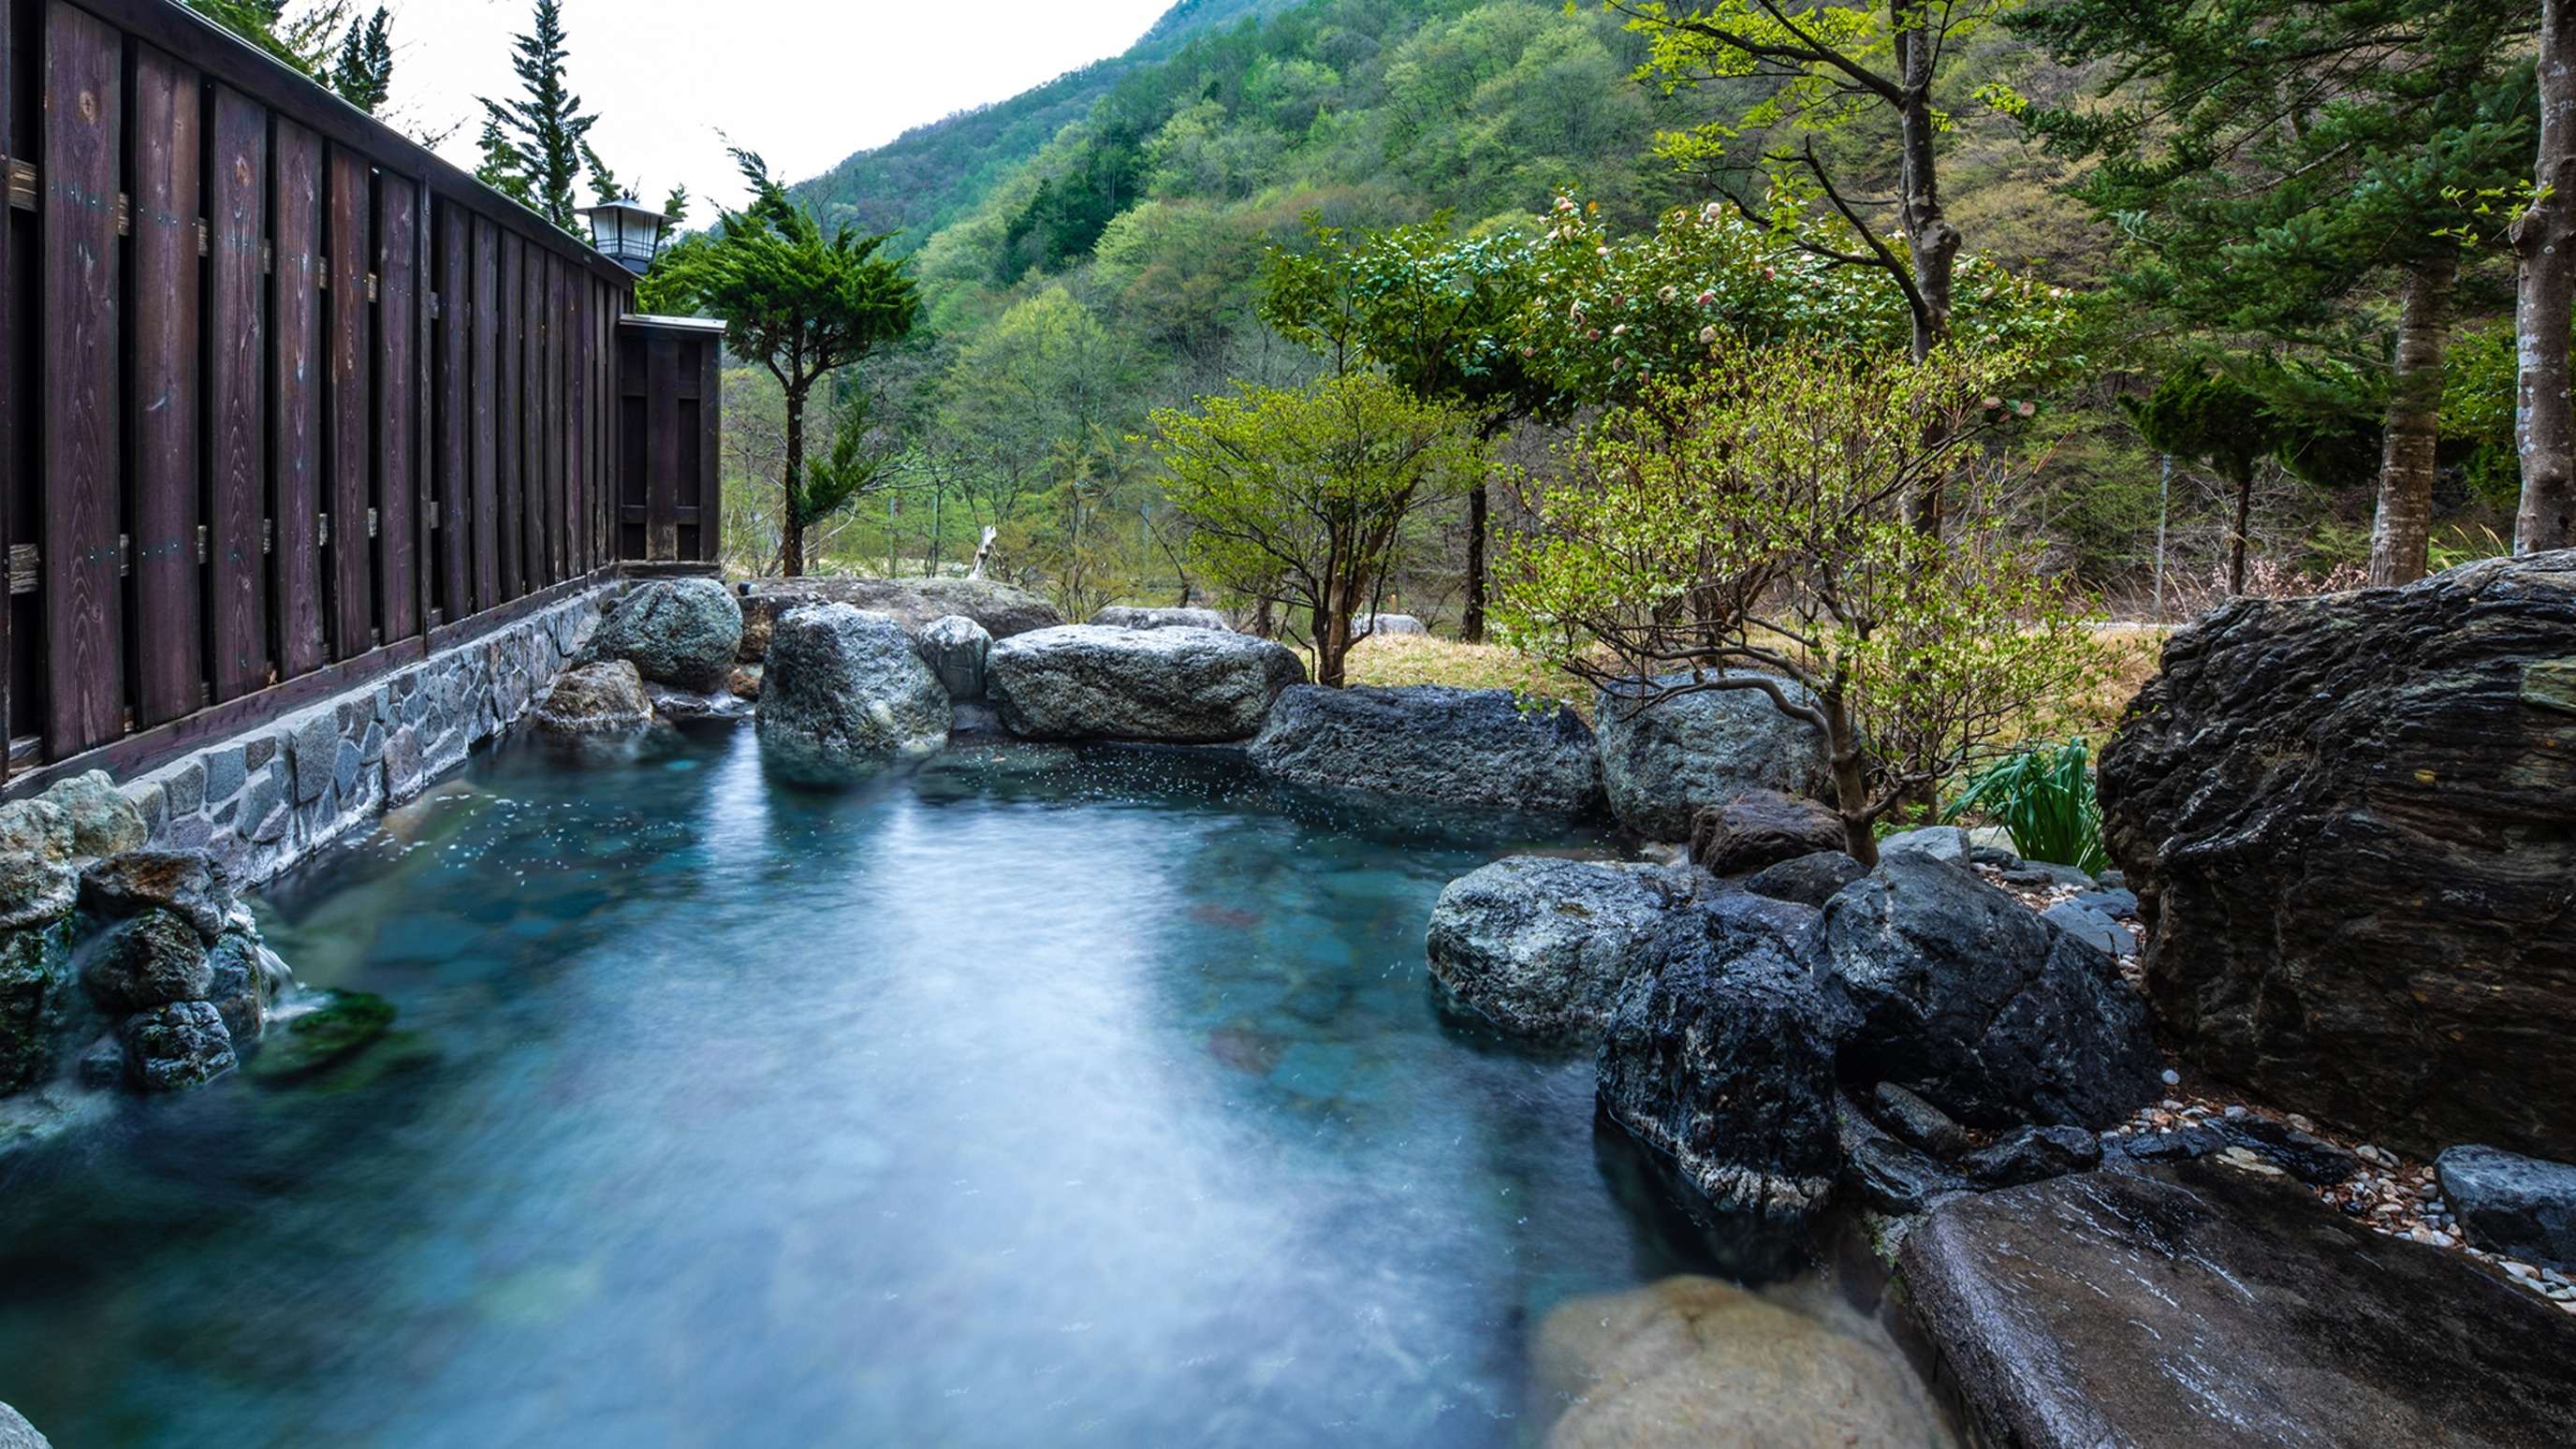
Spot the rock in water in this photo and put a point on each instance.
(177, 1045)
(1721, 1057)
(2350, 822)
(37, 881)
(17, 1433)
(679, 632)
(914, 603)
(596, 699)
(2519, 1206)
(847, 687)
(1175, 686)
(1472, 745)
(35, 972)
(240, 988)
(344, 1023)
(148, 961)
(1120, 616)
(1966, 999)
(1762, 828)
(1695, 1363)
(103, 821)
(955, 647)
(1540, 946)
(184, 882)
(2196, 1307)
(1664, 761)
(1810, 880)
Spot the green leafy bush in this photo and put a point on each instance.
(2044, 796)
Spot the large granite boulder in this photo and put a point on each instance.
(844, 686)
(602, 698)
(2199, 1307)
(17, 1433)
(37, 880)
(183, 882)
(1478, 746)
(149, 960)
(679, 632)
(2511, 1204)
(955, 648)
(1721, 1057)
(1541, 947)
(1176, 686)
(1691, 1363)
(103, 821)
(2351, 823)
(177, 1045)
(1122, 616)
(915, 604)
(1762, 828)
(1965, 998)
(1663, 760)
(35, 979)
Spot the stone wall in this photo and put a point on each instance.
(263, 799)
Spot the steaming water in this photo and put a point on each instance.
(1031, 1099)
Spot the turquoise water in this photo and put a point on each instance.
(1032, 1098)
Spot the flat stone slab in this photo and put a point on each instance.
(2199, 1306)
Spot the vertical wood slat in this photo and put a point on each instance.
(163, 228)
(710, 451)
(397, 247)
(487, 414)
(511, 527)
(452, 411)
(295, 219)
(349, 416)
(237, 592)
(557, 521)
(83, 107)
(577, 422)
(662, 447)
(14, 475)
(541, 420)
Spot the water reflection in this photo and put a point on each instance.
(1028, 1097)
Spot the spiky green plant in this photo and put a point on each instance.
(2044, 796)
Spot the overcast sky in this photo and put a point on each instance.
(803, 82)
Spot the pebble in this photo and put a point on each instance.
(2172, 1079)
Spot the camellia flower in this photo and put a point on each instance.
(1706, 298)
(1708, 335)
(1601, 251)
(2026, 409)
(1618, 364)
(1592, 334)
(1668, 293)
(1620, 330)
(1993, 403)
(1770, 275)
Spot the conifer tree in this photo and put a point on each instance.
(540, 141)
(364, 75)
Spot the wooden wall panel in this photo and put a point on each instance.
(84, 616)
(397, 434)
(451, 451)
(486, 383)
(351, 412)
(710, 453)
(577, 422)
(18, 471)
(662, 444)
(163, 434)
(512, 481)
(237, 328)
(295, 390)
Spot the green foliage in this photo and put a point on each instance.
(1750, 524)
(858, 464)
(534, 147)
(1309, 496)
(2208, 415)
(364, 74)
(2044, 796)
(2477, 411)
(321, 38)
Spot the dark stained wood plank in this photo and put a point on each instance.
(452, 467)
(511, 537)
(541, 419)
(486, 383)
(662, 446)
(397, 392)
(710, 422)
(350, 418)
(83, 106)
(237, 329)
(295, 399)
(577, 369)
(164, 433)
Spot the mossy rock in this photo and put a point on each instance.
(322, 1037)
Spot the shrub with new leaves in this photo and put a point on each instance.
(1307, 495)
(1749, 526)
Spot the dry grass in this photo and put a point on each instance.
(2128, 654)
(1425, 659)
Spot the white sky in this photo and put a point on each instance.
(803, 82)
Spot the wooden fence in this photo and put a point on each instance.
(286, 399)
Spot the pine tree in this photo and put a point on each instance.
(365, 73)
(541, 139)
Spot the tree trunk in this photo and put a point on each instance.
(2236, 536)
(2402, 532)
(1472, 627)
(1332, 642)
(791, 514)
(2544, 237)
(1851, 787)
(1929, 236)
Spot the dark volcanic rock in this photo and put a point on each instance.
(2351, 822)
(1762, 828)
(1966, 999)
(2029, 1154)
(1472, 745)
(148, 961)
(2520, 1206)
(1917, 1121)
(1663, 761)
(843, 686)
(679, 632)
(1541, 947)
(2303, 1155)
(1895, 1178)
(1810, 880)
(35, 976)
(1176, 686)
(241, 989)
(184, 882)
(2200, 1308)
(174, 1046)
(1721, 1057)
(2182, 1144)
